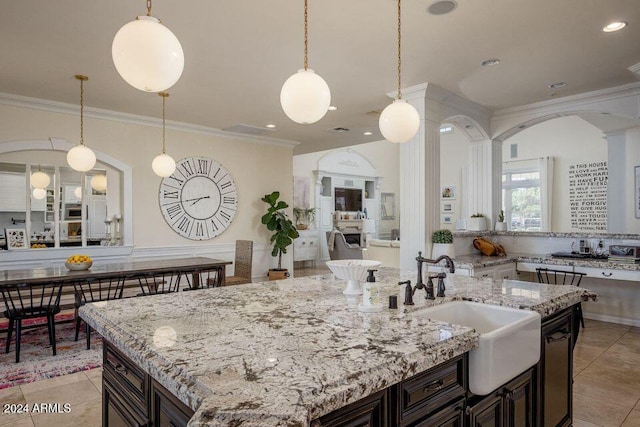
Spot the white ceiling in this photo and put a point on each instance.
(239, 52)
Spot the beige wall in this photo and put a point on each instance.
(383, 155)
(257, 168)
(454, 156)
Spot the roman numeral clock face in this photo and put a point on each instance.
(200, 199)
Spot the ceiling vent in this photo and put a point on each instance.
(339, 129)
(248, 129)
(442, 7)
(374, 112)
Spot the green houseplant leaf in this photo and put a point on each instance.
(276, 220)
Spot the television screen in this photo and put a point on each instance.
(348, 199)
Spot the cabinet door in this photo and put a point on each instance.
(117, 413)
(489, 412)
(555, 371)
(166, 409)
(519, 401)
(368, 412)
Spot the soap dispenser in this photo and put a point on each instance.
(370, 295)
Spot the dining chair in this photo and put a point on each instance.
(154, 283)
(31, 301)
(204, 279)
(95, 290)
(561, 277)
(242, 264)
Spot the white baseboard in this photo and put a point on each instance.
(612, 319)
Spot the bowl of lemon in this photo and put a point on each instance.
(78, 262)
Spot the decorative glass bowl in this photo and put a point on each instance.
(78, 266)
(353, 271)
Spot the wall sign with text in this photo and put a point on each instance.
(588, 196)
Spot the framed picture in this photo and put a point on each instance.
(448, 192)
(446, 219)
(16, 238)
(446, 207)
(636, 197)
(388, 206)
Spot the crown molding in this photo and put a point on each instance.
(578, 100)
(116, 116)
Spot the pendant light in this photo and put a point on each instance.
(99, 182)
(399, 121)
(305, 96)
(39, 193)
(147, 54)
(81, 158)
(78, 192)
(163, 165)
(40, 179)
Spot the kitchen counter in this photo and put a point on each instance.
(290, 351)
(482, 261)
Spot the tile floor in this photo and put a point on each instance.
(606, 388)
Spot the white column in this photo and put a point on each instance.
(420, 181)
(616, 184)
(484, 180)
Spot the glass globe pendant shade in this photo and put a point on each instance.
(39, 193)
(81, 158)
(99, 182)
(305, 97)
(147, 55)
(163, 165)
(40, 180)
(399, 121)
(78, 192)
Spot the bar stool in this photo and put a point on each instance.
(30, 301)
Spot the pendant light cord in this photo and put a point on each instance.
(82, 80)
(164, 97)
(306, 35)
(399, 50)
(148, 7)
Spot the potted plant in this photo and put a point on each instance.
(283, 229)
(442, 244)
(477, 222)
(500, 224)
(304, 217)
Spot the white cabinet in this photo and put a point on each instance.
(14, 192)
(497, 272)
(305, 247)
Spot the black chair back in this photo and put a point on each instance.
(204, 279)
(31, 300)
(93, 290)
(160, 283)
(559, 277)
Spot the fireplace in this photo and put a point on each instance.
(353, 238)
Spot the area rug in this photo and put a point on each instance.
(37, 361)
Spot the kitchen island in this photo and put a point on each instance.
(287, 352)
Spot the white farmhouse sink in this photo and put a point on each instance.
(509, 340)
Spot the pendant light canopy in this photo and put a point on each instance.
(81, 158)
(40, 179)
(39, 193)
(147, 54)
(163, 165)
(305, 96)
(99, 182)
(399, 121)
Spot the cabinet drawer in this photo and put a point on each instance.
(605, 273)
(131, 379)
(427, 392)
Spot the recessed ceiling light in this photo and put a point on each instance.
(271, 126)
(490, 62)
(557, 85)
(332, 108)
(522, 126)
(442, 7)
(368, 133)
(614, 26)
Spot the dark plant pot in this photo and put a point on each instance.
(278, 274)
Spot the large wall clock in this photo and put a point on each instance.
(200, 199)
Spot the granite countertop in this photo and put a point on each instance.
(481, 261)
(287, 352)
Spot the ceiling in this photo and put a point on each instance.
(239, 53)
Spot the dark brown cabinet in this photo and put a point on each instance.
(555, 370)
(130, 398)
(510, 405)
(368, 412)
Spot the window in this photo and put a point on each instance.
(521, 199)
